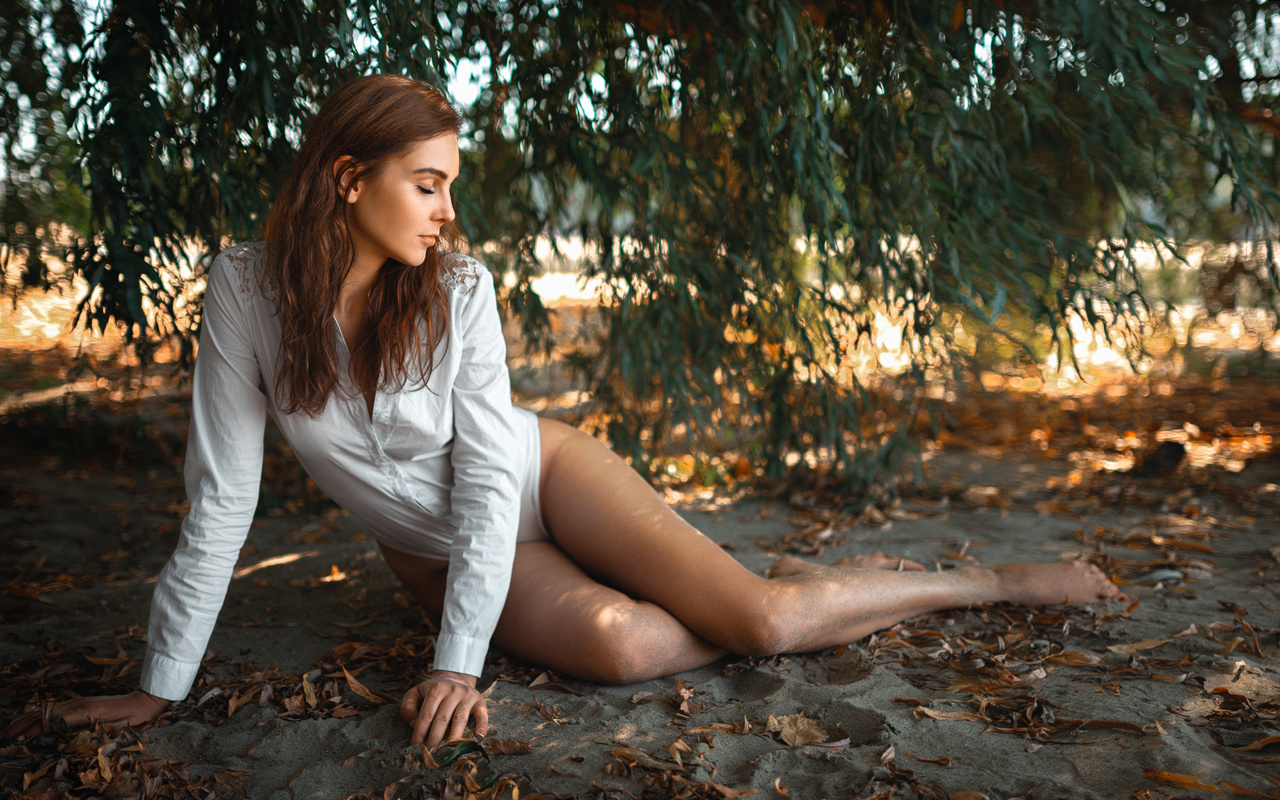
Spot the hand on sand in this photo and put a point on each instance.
(439, 707)
(135, 708)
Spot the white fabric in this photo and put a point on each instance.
(433, 472)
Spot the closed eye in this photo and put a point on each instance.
(425, 190)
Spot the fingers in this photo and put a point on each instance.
(137, 708)
(481, 713)
(25, 726)
(409, 705)
(48, 717)
(459, 725)
(439, 711)
(79, 712)
(430, 727)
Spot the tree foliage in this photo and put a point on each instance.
(38, 206)
(755, 181)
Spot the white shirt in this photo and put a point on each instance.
(436, 464)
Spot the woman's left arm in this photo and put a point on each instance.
(486, 509)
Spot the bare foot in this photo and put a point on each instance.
(790, 565)
(787, 566)
(1049, 584)
(881, 561)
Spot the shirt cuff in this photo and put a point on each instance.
(166, 678)
(460, 654)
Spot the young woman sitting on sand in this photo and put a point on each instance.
(380, 356)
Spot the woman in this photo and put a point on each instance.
(381, 358)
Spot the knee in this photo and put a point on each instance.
(621, 665)
(624, 647)
(765, 619)
(765, 630)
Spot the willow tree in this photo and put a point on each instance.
(755, 180)
(39, 207)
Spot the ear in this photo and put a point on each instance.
(346, 163)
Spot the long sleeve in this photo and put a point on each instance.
(223, 472)
(484, 497)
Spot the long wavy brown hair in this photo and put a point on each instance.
(310, 250)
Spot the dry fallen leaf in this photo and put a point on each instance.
(643, 759)
(946, 762)
(428, 760)
(358, 757)
(715, 727)
(932, 714)
(1244, 791)
(360, 689)
(29, 778)
(1074, 658)
(677, 749)
(308, 691)
(390, 792)
(684, 693)
(508, 747)
(1162, 778)
(1261, 743)
(722, 790)
(798, 730)
(1137, 647)
(1113, 724)
(1232, 645)
(103, 767)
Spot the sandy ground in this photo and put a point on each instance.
(1175, 695)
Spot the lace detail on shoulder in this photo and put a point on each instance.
(460, 273)
(246, 261)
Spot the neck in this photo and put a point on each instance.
(354, 294)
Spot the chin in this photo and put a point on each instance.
(414, 258)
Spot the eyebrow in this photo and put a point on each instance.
(439, 173)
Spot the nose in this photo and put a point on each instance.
(444, 211)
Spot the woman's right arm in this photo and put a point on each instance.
(223, 472)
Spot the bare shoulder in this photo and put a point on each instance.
(243, 265)
(461, 273)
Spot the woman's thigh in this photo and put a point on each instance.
(558, 616)
(615, 527)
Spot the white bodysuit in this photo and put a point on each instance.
(448, 469)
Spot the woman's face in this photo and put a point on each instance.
(399, 212)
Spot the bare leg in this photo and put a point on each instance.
(612, 524)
